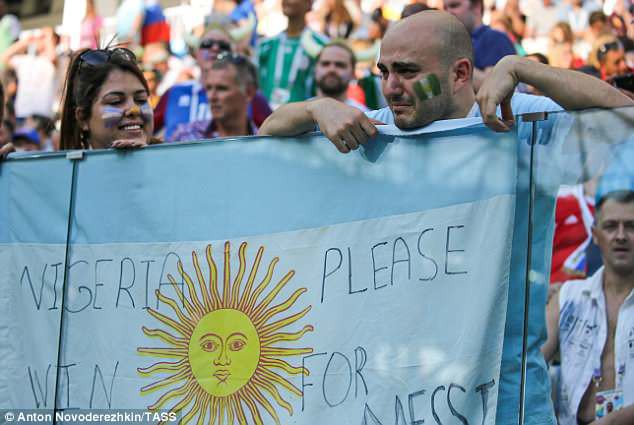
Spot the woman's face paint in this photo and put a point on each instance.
(427, 87)
(118, 105)
(111, 116)
(146, 112)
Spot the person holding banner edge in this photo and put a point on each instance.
(106, 101)
(431, 80)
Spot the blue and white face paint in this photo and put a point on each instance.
(147, 113)
(112, 116)
(120, 112)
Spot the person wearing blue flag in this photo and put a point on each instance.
(432, 80)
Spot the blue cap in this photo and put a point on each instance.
(619, 175)
(29, 134)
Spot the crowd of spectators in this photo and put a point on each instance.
(587, 35)
(135, 88)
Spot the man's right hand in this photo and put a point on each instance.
(345, 126)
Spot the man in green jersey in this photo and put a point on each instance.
(286, 62)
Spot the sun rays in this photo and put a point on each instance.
(224, 354)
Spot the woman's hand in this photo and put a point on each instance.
(129, 143)
(5, 150)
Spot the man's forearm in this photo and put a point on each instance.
(289, 120)
(570, 89)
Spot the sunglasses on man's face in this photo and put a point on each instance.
(94, 57)
(208, 43)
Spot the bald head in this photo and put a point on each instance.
(438, 32)
(426, 66)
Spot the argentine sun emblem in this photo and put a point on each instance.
(224, 356)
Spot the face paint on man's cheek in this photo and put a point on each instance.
(146, 112)
(427, 87)
(111, 116)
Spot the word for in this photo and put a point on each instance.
(341, 378)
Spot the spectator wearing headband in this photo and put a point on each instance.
(186, 102)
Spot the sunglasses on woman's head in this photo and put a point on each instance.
(208, 43)
(95, 57)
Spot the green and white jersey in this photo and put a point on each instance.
(286, 66)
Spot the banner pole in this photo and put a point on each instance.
(534, 118)
(73, 156)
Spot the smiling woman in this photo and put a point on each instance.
(105, 101)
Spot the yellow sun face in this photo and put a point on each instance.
(224, 351)
(223, 363)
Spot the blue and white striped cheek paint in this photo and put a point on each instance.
(146, 112)
(112, 115)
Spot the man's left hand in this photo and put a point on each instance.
(497, 89)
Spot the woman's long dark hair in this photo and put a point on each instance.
(80, 91)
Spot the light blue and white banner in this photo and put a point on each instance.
(259, 280)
